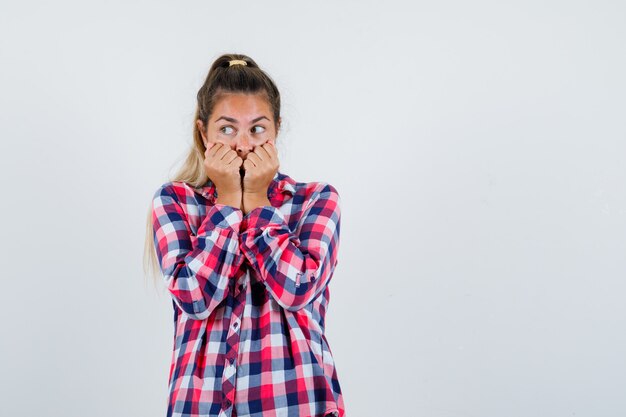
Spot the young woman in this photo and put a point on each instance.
(247, 254)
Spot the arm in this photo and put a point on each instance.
(196, 268)
(295, 269)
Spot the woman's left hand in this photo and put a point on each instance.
(260, 167)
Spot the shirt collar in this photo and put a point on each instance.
(281, 183)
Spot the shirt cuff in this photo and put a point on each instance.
(262, 216)
(221, 216)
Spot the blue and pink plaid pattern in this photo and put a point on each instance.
(250, 295)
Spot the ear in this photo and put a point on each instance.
(201, 128)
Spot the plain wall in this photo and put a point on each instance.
(478, 149)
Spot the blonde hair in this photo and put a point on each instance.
(222, 78)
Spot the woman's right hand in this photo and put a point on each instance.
(222, 165)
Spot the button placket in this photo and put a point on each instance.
(229, 377)
(233, 337)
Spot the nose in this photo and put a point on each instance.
(243, 145)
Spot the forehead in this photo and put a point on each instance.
(242, 106)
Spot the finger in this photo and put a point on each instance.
(230, 157)
(236, 161)
(224, 151)
(254, 158)
(248, 164)
(264, 152)
(271, 150)
(213, 148)
(257, 151)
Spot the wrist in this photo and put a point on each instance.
(229, 199)
(256, 195)
(254, 200)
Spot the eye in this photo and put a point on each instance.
(261, 128)
(225, 127)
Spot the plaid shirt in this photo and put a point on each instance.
(250, 295)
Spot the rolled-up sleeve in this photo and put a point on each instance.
(295, 267)
(196, 268)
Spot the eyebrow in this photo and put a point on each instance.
(230, 119)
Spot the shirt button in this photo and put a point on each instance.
(232, 360)
(227, 402)
(236, 325)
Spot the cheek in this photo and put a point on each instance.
(259, 141)
(269, 138)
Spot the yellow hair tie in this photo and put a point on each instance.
(237, 62)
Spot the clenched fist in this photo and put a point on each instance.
(222, 166)
(260, 168)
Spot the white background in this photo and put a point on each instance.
(478, 149)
